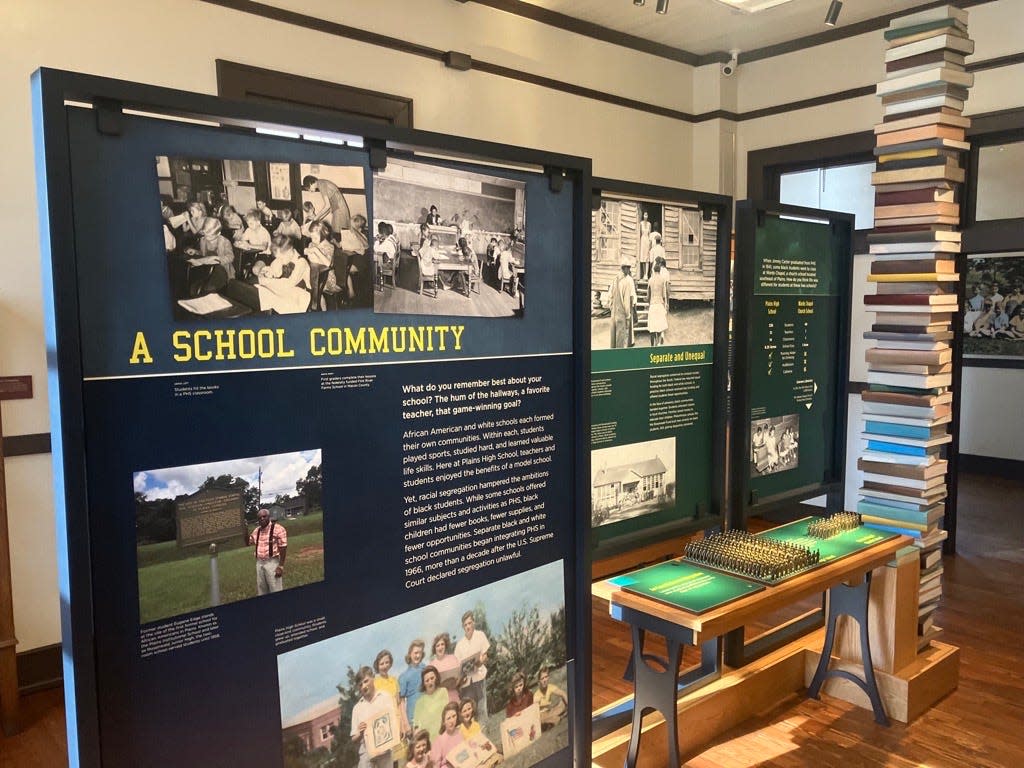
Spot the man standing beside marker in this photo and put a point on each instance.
(271, 542)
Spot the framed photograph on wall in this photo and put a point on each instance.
(994, 310)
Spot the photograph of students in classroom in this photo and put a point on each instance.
(652, 275)
(774, 444)
(448, 241)
(250, 237)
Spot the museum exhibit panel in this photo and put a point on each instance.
(316, 434)
(659, 327)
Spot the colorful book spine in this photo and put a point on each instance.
(906, 406)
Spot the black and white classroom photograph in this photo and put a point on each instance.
(252, 237)
(653, 275)
(774, 444)
(632, 480)
(469, 681)
(448, 241)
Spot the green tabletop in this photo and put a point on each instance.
(840, 545)
(686, 585)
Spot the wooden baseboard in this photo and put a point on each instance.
(993, 466)
(40, 668)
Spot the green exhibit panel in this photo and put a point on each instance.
(658, 312)
(833, 548)
(792, 341)
(693, 588)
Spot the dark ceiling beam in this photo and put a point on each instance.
(848, 30)
(591, 30)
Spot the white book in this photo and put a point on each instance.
(932, 76)
(931, 538)
(894, 409)
(907, 482)
(926, 346)
(929, 249)
(939, 42)
(909, 421)
(897, 458)
(932, 14)
(915, 380)
(915, 105)
(922, 67)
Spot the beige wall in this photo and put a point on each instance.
(176, 43)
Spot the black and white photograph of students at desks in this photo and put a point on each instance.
(256, 237)
(448, 241)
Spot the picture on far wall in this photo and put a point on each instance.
(658, 260)
(448, 241)
(252, 237)
(994, 310)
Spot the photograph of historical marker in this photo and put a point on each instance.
(448, 241)
(462, 676)
(774, 444)
(216, 533)
(249, 237)
(994, 308)
(652, 274)
(632, 480)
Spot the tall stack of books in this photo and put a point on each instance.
(908, 403)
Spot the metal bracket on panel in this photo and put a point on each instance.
(378, 154)
(456, 60)
(595, 199)
(760, 218)
(706, 213)
(701, 510)
(753, 498)
(556, 178)
(109, 118)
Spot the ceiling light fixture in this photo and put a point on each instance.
(833, 13)
(639, 2)
(662, 7)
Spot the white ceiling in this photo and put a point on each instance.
(707, 26)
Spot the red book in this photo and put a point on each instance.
(910, 196)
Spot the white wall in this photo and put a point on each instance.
(176, 44)
(988, 428)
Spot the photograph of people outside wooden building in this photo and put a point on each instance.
(632, 480)
(216, 533)
(653, 274)
(448, 241)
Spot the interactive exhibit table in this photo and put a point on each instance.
(692, 603)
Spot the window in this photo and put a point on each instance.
(844, 188)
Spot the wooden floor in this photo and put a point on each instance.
(980, 725)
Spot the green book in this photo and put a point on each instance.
(926, 26)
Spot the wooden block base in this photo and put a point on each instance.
(907, 693)
(742, 693)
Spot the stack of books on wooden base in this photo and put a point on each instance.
(908, 403)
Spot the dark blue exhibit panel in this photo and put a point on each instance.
(186, 706)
